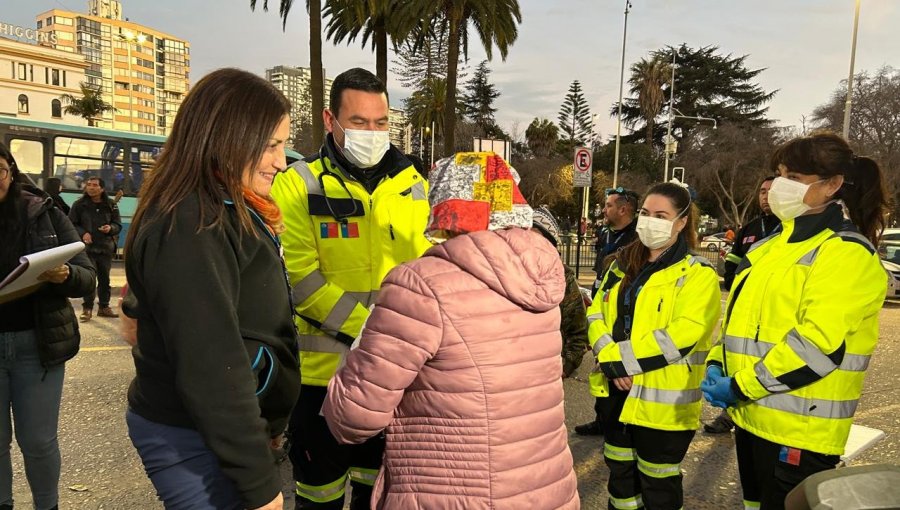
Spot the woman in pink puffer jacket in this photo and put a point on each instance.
(459, 363)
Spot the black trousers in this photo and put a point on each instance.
(644, 463)
(103, 264)
(769, 471)
(322, 465)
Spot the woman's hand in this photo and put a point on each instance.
(623, 383)
(275, 504)
(58, 274)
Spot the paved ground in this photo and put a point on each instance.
(102, 471)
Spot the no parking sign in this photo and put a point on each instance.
(584, 160)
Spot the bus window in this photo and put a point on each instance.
(142, 159)
(79, 158)
(29, 156)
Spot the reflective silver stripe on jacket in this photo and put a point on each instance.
(418, 191)
(855, 362)
(675, 397)
(306, 287)
(667, 346)
(320, 343)
(818, 408)
(305, 173)
(694, 358)
(748, 346)
(809, 258)
(595, 317)
(629, 360)
(767, 378)
(810, 354)
(602, 342)
(366, 299)
(339, 314)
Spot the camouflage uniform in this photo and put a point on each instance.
(573, 326)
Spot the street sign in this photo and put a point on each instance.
(581, 177)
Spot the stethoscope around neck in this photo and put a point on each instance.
(342, 218)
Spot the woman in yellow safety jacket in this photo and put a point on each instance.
(802, 320)
(650, 328)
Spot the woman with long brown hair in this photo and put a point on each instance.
(216, 354)
(650, 329)
(802, 319)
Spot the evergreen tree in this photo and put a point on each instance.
(478, 101)
(707, 84)
(574, 118)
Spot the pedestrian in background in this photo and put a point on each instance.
(802, 320)
(573, 326)
(459, 361)
(38, 334)
(619, 222)
(650, 328)
(53, 187)
(96, 218)
(216, 355)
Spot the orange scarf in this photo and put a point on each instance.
(267, 209)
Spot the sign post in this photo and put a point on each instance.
(581, 178)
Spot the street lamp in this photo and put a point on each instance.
(670, 144)
(848, 105)
(131, 38)
(621, 87)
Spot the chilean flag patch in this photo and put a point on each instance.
(790, 455)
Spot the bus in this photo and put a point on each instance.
(74, 153)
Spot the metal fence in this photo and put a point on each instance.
(581, 256)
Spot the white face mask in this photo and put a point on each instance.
(363, 148)
(654, 233)
(786, 198)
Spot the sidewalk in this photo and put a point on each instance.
(117, 277)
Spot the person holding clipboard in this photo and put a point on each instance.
(38, 333)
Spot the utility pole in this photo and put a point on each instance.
(621, 87)
(669, 141)
(848, 105)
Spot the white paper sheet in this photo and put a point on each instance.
(33, 265)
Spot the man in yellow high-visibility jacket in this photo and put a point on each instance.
(353, 211)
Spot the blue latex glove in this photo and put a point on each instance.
(717, 388)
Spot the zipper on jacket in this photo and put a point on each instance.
(756, 338)
(659, 306)
(391, 229)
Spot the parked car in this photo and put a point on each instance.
(714, 242)
(893, 271)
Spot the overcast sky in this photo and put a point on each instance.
(803, 44)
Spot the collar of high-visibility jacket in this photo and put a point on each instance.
(805, 227)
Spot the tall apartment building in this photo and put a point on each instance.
(142, 71)
(294, 83)
(401, 131)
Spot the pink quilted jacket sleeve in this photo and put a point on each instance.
(403, 332)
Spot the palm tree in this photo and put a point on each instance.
(89, 106)
(372, 19)
(427, 106)
(495, 21)
(317, 73)
(648, 77)
(542, 136)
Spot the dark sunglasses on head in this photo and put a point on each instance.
(616, 191)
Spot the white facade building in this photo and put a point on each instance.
(32, 79)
